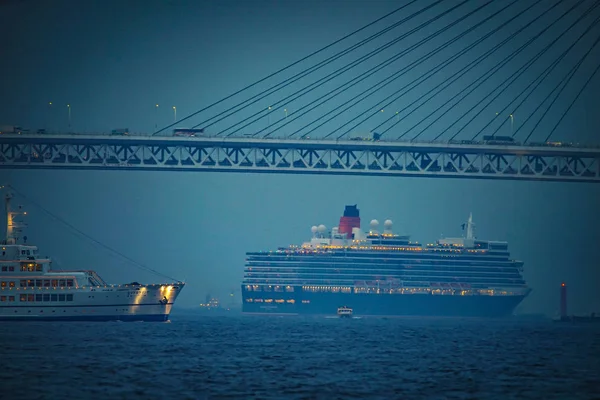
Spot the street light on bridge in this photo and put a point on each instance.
(49, 116)
(69, 110)
(174, 114)
(269, 115)
(156, 118)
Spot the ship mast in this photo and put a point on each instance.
(12, 226)
(8, 218)
(470, 227)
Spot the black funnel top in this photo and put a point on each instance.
(351, 211)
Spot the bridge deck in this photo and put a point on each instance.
(435, 159)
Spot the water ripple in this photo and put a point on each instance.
(301, 358)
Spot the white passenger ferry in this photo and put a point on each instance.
(31, 290)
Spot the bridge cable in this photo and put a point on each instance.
(518, 74)
(513, 77)
(537, 82)
(307, 71)
(483, 78)
(369, 73)
(540, 104)
(57, 218)
(374, 89)
(460, 72)
(331, 76)
(422, 78)
(573, 102)
(287, 67)
(490, 71)
(497, 66)
(564, 84)
(390, 78)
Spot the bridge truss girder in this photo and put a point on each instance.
(301, 156)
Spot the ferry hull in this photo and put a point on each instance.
(90, 312)
(387, 304)
(150, 303)
(94, 318)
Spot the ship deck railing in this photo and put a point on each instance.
(92, 276)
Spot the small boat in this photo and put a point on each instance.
(344, 312)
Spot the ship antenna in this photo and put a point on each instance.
(8, 218)
(470, 227)
(13, 227)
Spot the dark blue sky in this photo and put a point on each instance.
(114, 61)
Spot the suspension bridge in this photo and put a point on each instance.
(426, 90)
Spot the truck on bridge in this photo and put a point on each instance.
(188, 132)
(492, 139)
(10, 129)
(120, 132)
(374, 137)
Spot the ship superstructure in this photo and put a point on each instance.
(383, 273)
(31, 290)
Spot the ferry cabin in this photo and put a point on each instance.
(25, 277)
(30, 289)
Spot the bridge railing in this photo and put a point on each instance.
(142, 135)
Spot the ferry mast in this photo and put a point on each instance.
(13, 226)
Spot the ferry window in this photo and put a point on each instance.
(53, 297)
(61, 283)
(30, 297)
(30, 267)
(4, 269)
(46, 283)
(28, 253)
(23, 283)
(54, 283)
(38, 297)
(38, 283)
(23, 267)
(30, 282)
(3, 284)
(38, 267)
(69, 282)
(11, 268)
(2, 298)
(46, 297)
(11, 298)
(61, 297)
(11, 284)
(23, 297)
(69, 297)
(22, 252)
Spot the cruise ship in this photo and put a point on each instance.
(384, 274)
(32, 290)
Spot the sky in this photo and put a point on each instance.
(113, 62)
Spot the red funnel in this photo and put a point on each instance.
(350, 219)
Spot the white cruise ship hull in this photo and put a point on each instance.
(108, 303)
